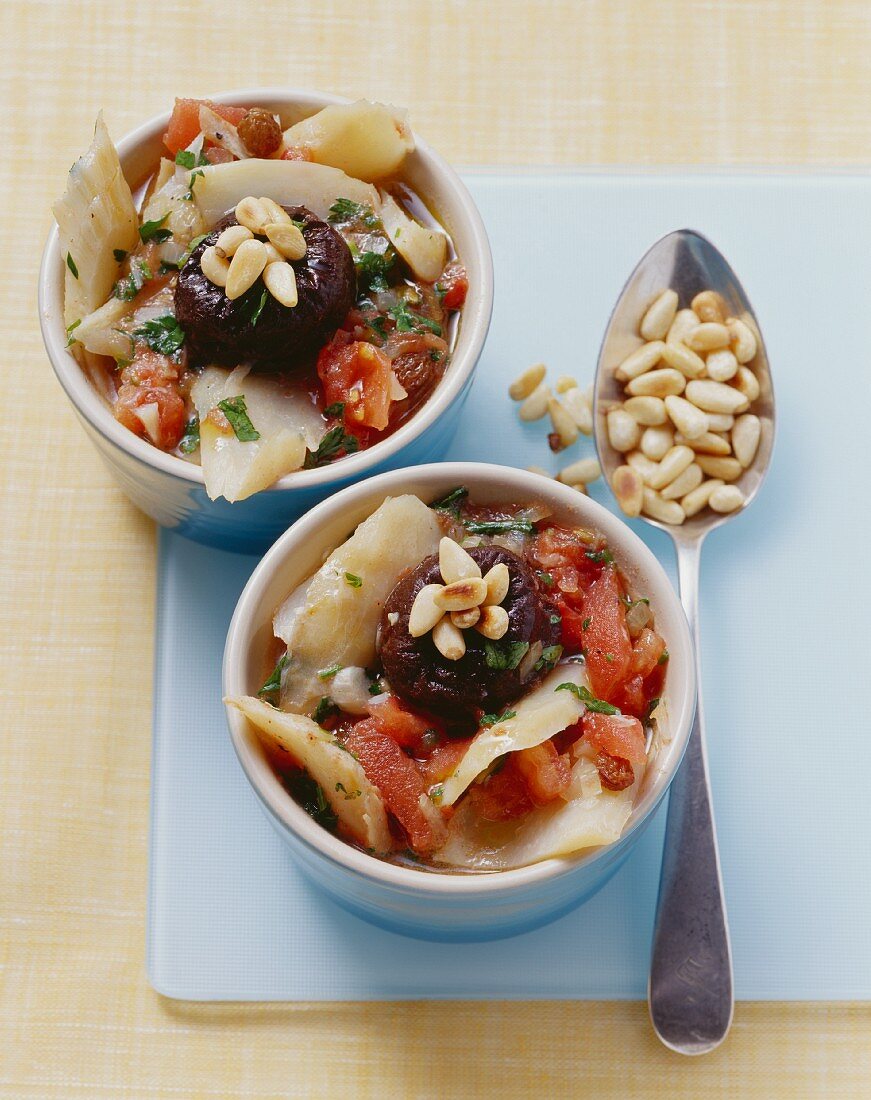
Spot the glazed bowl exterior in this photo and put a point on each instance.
(448, 906)
(171, 490)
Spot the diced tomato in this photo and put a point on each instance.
(631, 696)
(358, 375)
(455, 285)
(616, 734)
(217, 154)
(398, 779)
(572, 629)
(547, 774)
(646, 652)
(296, 152)
(170, 413)
(150, 368)
(184, 123)
(405, 727)
(607, 645)
(443, 760)
(504, 795)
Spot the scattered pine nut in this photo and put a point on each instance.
(628, 488)
(689, 421)
(425, 612)
(461, 595)
(280, 281)
(657, 442)
(527, 383)
(287, 238)
(640, 361)
(745, 438)
(727, 498)
(230, 239)
(580, 408)
(564, 383)
(534, 406)
(497, 581)
(685, 320)
(720, 422)
(708, 336)
(707, 444)
(709, 307)
(659, 317)
(720, 466)
(584, 470)
(746, 382)
(563, 423)
(696, 500)
(645, 466)
(251, 213)
(648, 411)
(465, 620)
(657, 383)
(214, 267)
(680, 357)
(672, 465)
(721, 365)
(716, 397)
(245, 268)
(666, 511)
(742, 340)
(275, 213)
(684, 483)
(624, 433)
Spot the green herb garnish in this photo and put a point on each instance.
(546, 579)
(191, 438)
(187, 159)
(499, 526)
(549, 657)
(162, 334)
(406, 321)
(663, 657)
(71, 264)
(258, 308)
(585, 625)
(372, 269)
(353, 794)
(589, 699)
(273, 685)
(127, 288)
(344, 211)
(329, 673)
(504, 655)
(154, 230)
(452, 501)
(186, 255)
(335, 411)
(335, 440)
(491, 719)
(189, 194)
(601, 557)
(237, 414)
(311, 797)
(651, 707)
(70, 330)
(324, 709)
(353, 580)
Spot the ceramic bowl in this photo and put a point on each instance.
(448, 906)
(171, 490)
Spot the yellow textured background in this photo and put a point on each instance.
(502, 82)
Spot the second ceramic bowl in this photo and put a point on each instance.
(448, 906)
(171, 490)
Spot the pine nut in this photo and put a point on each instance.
(657, 442)
(493, 623)
(461, 595)
(689, 421)
(715, 397)
(707, 444)
(728, 498)
(214, 267)
(684, 483)
(745, 438)
(527, 383)
(720, 422)
(648, 411)
(497, 581)
(562, 422)
(580, 409)
(685, 320)
(564, 383)
(273, 256)
(746, 382)
(709, 307)
(534, 407)
(681, 358)
(719, 466)
(280, 280)
(277, 214)
(628, 487)
(251, 213)
(465, 620)
(666, 511)
(721, 365)
(696, 500)
(230, 239)
(708, 336)
(425, 613)
(672, 465)
(640, 361)
(584, 470)
(448, 640)
(246, 268)
(657, 383)
(287, 239)
(455, 563)
(742, 339)
(624, 433)
(658, 319)
(644, 465)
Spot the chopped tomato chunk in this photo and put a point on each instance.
(454, 285)
(358, 375)
(161, 417)
(547, 774)
(646, 652)
(217, 154)
(631, 697)
(504, 795)
(398, 779)
(607, 645)
(444, 760)
(184, 123)
(404, 726)
(616, 734)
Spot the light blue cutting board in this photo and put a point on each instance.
(786, 619)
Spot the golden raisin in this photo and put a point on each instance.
(615, 773)
(260, 132)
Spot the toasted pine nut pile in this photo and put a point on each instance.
(685, 425)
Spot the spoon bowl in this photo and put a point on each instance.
(690, 989)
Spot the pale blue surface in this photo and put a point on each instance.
(785, 613)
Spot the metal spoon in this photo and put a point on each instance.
(690, 989)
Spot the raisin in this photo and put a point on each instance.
(260, 132)
(615, 773)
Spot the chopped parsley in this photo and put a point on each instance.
(70, 330)
(329, 673)
(237, 414)
(663, 657)
(435, 355)
(406, 321)
(504, 655)
(272, 686)
(491, 719)
(186, 255)
(324, 709)
(585, 625)
(310, 795)
(119, 254)
(335, 411)
(651, 707)
(353, 794)
(162, 334)
(345, 212)
(556, 619)
(189, 194)
(253, 305)
(546, 579)
(335, 440)
(589, 699)
(549, 657)
(71, 264)
(353, 580)
(451, 501)
(372, 269)
(186, 159)
(499, 526)
(191, 438)
(127, 288)
(155, 230)
(601, 557)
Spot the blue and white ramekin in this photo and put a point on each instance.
(171, 490)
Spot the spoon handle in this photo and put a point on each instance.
(690, 990)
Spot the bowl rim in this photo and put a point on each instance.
(454, 195)
(515, 482)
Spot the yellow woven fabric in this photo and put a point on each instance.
(502, 82)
